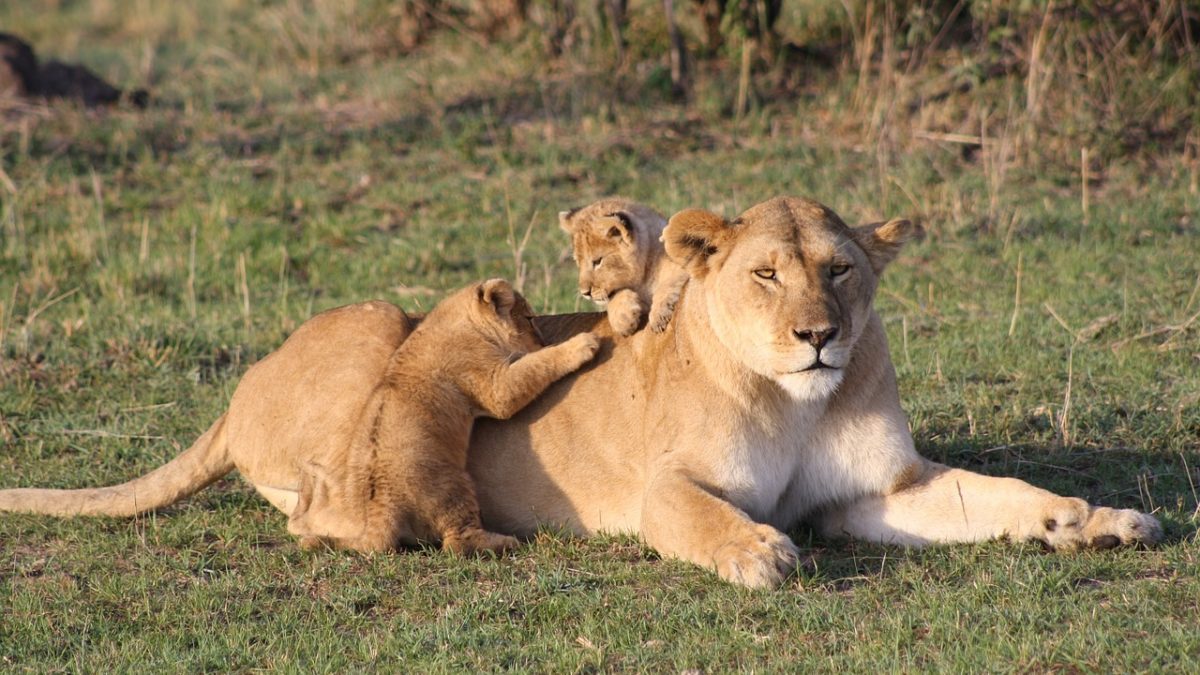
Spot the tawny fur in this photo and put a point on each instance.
(622, 263)
(707, 440)
(402, 479)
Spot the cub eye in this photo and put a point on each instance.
(765, 273)
(838, 269)
(596, 262)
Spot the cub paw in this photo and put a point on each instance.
(660, 317)
(1071, 524)
(311, 543)
(477, 541)
(761, 559)
(582, 348)
(625, 313)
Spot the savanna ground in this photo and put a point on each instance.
(294, 159)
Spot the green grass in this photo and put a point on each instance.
(291, 166)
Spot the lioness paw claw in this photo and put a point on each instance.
(1073, 524)
(762, 559)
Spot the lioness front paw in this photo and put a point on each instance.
(761, 559)
(625, 313)
(1072, 524)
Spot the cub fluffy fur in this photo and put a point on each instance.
(622, 262)
(402, 478)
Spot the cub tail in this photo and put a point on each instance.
(194, 469)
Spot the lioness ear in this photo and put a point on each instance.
(693, 236)
(882, 241)
(499, 295)
(564, 220)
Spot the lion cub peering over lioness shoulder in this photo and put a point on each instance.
(623, 264)
(402, 478)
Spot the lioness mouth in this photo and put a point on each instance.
(816, 366)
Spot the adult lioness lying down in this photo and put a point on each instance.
(769, 398)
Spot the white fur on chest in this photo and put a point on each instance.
(762, 464)
(811, 462)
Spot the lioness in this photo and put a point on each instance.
(770, 398)
(403, 477)
(622, 263)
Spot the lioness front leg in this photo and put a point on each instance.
(943, 505)
(681, 519)
(625, 312)
(515, 385)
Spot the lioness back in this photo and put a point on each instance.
(622, 263)
(402, 479)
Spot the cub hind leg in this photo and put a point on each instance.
(452, 512)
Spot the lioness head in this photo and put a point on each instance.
(614, 241)
(501, 315)
(788, 286)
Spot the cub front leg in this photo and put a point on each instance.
(662, 306)
(515, 385)
(681, 519)
(625, 312)
(943, 505)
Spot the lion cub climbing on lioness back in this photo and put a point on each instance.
(623, 264)
(403, 477)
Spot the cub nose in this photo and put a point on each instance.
(817, 337)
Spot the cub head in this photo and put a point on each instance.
(787, 286)
(614, 242)
(503, 316)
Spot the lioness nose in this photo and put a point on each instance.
(817, 337)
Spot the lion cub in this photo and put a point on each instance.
(623, 264)
(403, 477)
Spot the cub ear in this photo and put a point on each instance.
(693, 236)
(882, 241)
(499, 295)
(564, 220)
(622, 228)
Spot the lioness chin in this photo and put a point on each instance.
(770, 398)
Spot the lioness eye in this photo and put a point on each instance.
(765, 273)
(597, 261)
(838, 269)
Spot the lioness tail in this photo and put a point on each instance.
(195, 468)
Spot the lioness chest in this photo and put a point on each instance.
(779, 474)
